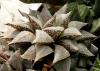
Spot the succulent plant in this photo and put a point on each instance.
(57, 45)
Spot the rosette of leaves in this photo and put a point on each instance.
(53, 46)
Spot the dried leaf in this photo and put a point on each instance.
(60, 53)
(30, 53)
(42, 37)
(42, 51)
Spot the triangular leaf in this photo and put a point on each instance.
(12, 34)
(63, 65)
(63, 19)
(83, 50)
(20, 26)
(42, 51)
(50, 22)
(60, 53)
(71, 31)
(24, 36)
(42, 37)
(45, 14)
(54, 32)
(85, 36)
(62, 10)
(77, 24)
(30, 53)
(70, 45)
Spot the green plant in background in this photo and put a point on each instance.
(97, 66)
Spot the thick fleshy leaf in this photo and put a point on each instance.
(77, 24)
(93, 49)
(71, 31)
(54, 32)
(63, 65)
(85, 36)
(45, 14)
(42, 37)
(30, 53)
(42, 51)
(23, 13)
(70, 45)
(63, 19)
(59, 20)
(62, 10)
(84, 50)
(32, 12)
(20, 26)
(50, 22)
(12, 34)
(34, 23)
(60, 53)
(6, 67)
(16, 61)
(24, 36)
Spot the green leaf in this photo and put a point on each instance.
(95, 25)
(83, 11)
